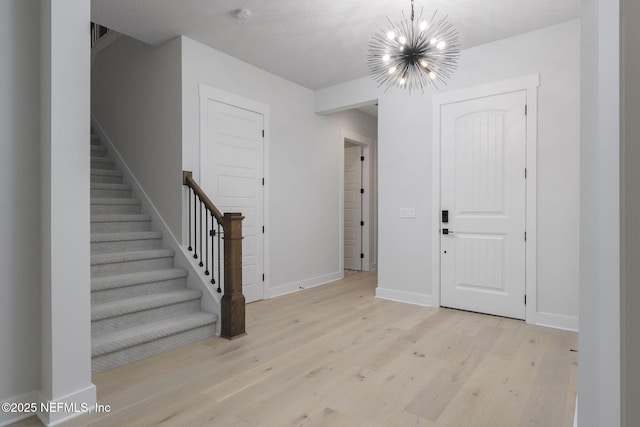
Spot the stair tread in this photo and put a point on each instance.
(118, 237)
(103, 159)
(120, 218)
(141, 303)
(100, 259)
(130, 337)
(107, 172)
(114, 201)
(139, 278)
(109, 186)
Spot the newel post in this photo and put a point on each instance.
(233, 317)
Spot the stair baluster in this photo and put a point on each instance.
(206, 242)
(229, 228)
(219, 263)
(195, 227)
(189, 216)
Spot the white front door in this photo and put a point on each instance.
(483, 188)
(352, 208)
(232, 171)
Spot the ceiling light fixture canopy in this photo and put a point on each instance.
(243, 13)
(414, 53)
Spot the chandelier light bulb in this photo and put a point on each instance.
(414, 53)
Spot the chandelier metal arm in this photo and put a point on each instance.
(414, 54)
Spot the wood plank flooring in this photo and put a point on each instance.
(336, 356)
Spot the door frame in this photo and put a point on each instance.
(366, 144)
(208, 93)
(528, 83)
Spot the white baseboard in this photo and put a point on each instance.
(80, 403)
(7, 418)
(405, 297)
(557, 321)
(196, 278)
(303, 284)
(575, 415)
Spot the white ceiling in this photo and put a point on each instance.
(316, 43)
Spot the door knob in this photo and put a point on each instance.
(447, 231)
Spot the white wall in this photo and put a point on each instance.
(20, 195)
(599, 363)
(64, 207)
(630, 231)
(303, 165)
(405, 144)
(135, 91)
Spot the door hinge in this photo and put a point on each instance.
(525, 299)
(263, 133)
(525, 173)
(361, 223)
(361, 255)
(362, 191)
(263, 277)
(362, 158)
(525, 236)
(525, 109)
(262, 181)
(263, 229)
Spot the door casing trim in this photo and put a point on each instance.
(366, 143)
(528, 83)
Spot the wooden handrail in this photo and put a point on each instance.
(233, 301)
(187, 179)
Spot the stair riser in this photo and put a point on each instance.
(105, 193)
(103, 270)
(106, 179)
(125, 246)
(120, 227)
(138, 318)
(115, 209)
(142, 351)
(99, 151)
(108, 295)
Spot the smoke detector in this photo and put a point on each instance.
(243, 14)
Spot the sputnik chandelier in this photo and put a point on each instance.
(413, 54)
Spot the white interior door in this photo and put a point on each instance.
(483, 188)
(232, 173)
(352, 208)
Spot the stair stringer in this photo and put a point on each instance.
(183, 259)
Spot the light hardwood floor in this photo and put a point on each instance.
(336, 356)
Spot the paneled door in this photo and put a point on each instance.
(483, 202)
(352, 208)
(232, 172)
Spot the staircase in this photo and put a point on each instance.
(140, 305)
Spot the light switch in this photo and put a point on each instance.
(407, 213)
